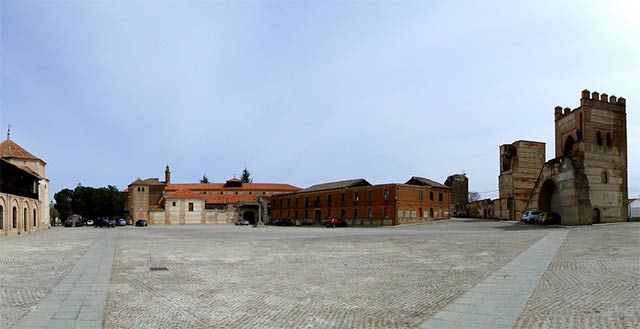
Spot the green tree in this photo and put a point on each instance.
(63, 203)
(204, 179)
(246, 176)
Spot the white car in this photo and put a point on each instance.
(532, 216)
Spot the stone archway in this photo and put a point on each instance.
(596, 216)
(249, 216)
(549, 199)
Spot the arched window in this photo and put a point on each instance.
(24, 219)
(609, 141)
(599, 138)
(568, 145)
(604, 177)
(35, 220)
(15, 217)
(1, 218)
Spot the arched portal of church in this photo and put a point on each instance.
(249, 216)
(549, 199)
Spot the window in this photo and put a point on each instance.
(609, 141)
(296, 213)
(306, 213)
(420, 214)
(431, 196)
(343, 213)
(221, 192)
(190, 206)
(355, 212)
(1, 218)
(604, 177)
(35, 220)
(440, 197)
(385, 194)
(386, 212)
(173, 203)
(356, 196)
(420, 195)
(329, 200)
(138, 189)
(599, 138)
(15, 217)
(430, 212)
(296, 203)
(370, 195)
(24, 219)
(317, 201)
(306, 203)
(342, 196)
(288, 202)
(281, 203)
(143, 189)
(370, 212)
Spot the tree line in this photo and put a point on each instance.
(90, 202)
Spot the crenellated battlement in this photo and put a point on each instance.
(601, 98)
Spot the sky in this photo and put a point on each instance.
(305, 92)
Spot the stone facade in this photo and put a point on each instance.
(459, 184)
(520, 165)
(587, 181)
(24, 191)
(164, 203)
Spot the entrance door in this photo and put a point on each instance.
(596, 216)
(249, 216)
(318, 216)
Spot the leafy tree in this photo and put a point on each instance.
(246, 176)
(204, 179)
(474, 196)
(63, 203)
(53, 212)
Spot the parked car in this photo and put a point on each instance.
(121, 222)
(68, 224)
(141, 223)
(284, 222)
(532, 216)
(79, 223)
(89, 222)
(549, 218)
(462, 214)
(335, 222)
(242, 222)
(105, 222)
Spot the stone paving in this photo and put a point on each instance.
(313, 277)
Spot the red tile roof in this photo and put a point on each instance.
(221, 187)
(184, 194)
(9, 149)
(227, 199)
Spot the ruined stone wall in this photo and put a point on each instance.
(520, 167)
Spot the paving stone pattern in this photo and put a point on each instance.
(314, 277)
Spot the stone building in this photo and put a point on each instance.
(24, 190)
(360, 203)
(520, 165)
(164, 203)
(459, 184)
(586, 182)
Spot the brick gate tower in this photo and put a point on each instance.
(587, 181)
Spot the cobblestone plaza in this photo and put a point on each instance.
(455, 273)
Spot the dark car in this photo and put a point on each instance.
(79, 223)
(121, 222)
(68, 224)
(284, 222)
(335, 222)
(105, 222)
(141, 223)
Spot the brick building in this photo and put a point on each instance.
(161, 202)
(360, 203)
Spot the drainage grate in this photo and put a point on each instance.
(162, 268)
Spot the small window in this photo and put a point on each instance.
(288, 202)
(431, 196)
(221, 192)
(609, 141)
(440, 197)
(343, 213)
(599, 138)
(296, 203)
(605, 177)
(138, 189)
(306, 213)
(329, 200)
(173, 203)
(356, 196)
(342, 196)
(385, 194)
(355, 212)
(430, 212)
(143, 189)
(370, 212)
(420, 195)
(190, 206)
(386, 212)
(370, 195)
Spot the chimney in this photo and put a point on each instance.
(167, 176)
